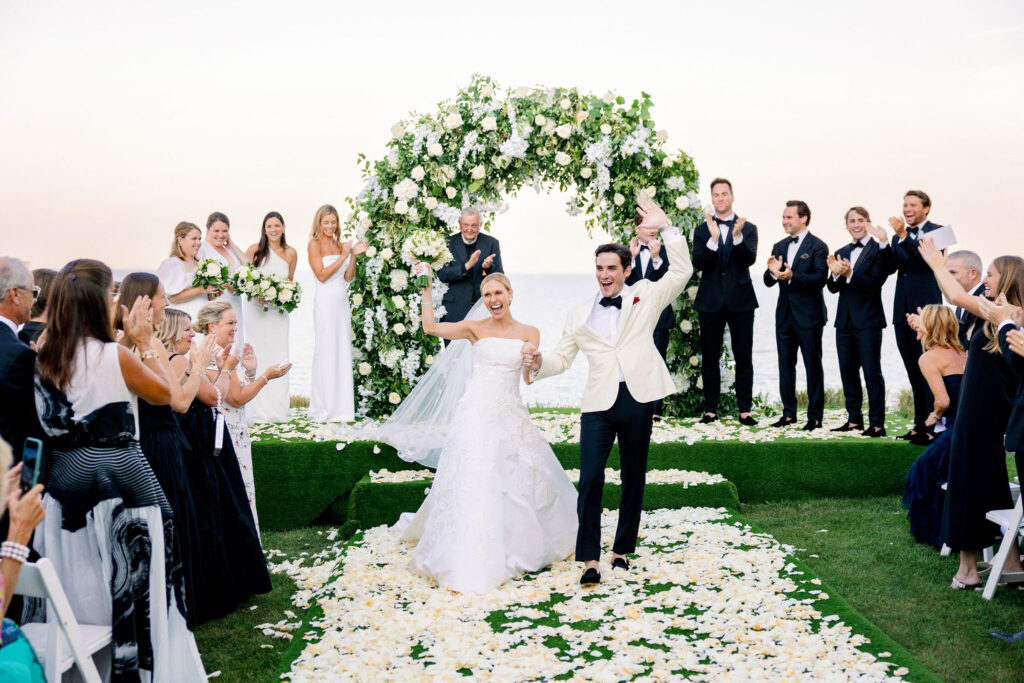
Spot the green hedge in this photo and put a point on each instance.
(306, 482)
(382, 503)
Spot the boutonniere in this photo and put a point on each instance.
(636, 300)
(803, 256)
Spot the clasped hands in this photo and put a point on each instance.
(839, 266)
(531, 356)
(779, 268)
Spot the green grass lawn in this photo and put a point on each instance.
(869, 557)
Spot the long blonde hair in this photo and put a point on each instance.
(317, 232)
(181, 230)
(1011, 283)
(939, 328)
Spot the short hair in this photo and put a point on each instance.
(856, 209)
(720, 181)
(470, 211)
(210, 314)
(13, 273)
(969, 259)
(181, 230)
(171, 327)
(217, 217)
(939, 328)
(802, 209)
(623, 253)
(926, 201)
(43, 278)
(496, 277)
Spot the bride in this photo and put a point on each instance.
(500, 504)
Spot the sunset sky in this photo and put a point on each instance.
(119, 119)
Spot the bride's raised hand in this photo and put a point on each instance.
(424, 270)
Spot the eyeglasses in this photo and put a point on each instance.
(35, 290)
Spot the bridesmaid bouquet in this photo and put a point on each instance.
(283, 293)
(247, 281)
(267, 289)
(426, 246)
(211, 272)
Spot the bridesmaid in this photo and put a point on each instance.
(176, 272)
(334, 263)
(219, 245)
(978, 481)
(267, 331)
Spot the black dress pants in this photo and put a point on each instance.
(629, 421)
(741, 330)
(660, 343)
(862, 349)
(788, 339)
(910, 351)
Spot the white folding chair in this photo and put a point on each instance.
(1010, 521)
(61, 642)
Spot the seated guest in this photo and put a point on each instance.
(942, 365)
(18, 663)
(227, 554)
(17, 359)
(31, 330)
(965, 267)
(977, 461)
(859, 270)
(109, 529)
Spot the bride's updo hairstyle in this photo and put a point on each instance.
(497, 277)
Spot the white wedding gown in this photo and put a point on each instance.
(500, 503)
(332, 398)
(267, 331)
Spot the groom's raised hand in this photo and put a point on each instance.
(652, 215)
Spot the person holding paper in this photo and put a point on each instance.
(915, 288)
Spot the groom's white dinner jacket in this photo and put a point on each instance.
(633, 352)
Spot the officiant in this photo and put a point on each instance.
(475, 256)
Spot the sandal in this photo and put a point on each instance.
(959, 585)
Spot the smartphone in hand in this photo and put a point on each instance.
(31, 463)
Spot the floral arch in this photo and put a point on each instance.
(479, 149)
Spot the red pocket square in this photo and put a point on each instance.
(636, 300)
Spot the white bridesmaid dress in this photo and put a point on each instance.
(267, 331)
(332, 397)
(206, 250)
(176, 278)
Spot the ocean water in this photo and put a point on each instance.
(544, 299)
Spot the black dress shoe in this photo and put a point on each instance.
(908, 436)
(811, 425)
(656, 418)
(748, 421)
(708, 419)
(784, 421)
(874, 432)
(620, 563)
(590, 576)
(921, 439)
(849, 427)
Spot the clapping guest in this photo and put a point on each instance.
(474, 257)
(978, 480)
(177, 272)
(17, 359)
(30, 331)
(942, 365)
(799, 265)
(724, 249)
(965, 267)
(267, 330)
(106, 513)
(858, 272)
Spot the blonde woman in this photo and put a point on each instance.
(334, 264)
(177, 271)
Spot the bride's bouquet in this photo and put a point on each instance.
(426, 246)
(211, 272)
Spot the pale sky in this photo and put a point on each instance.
(119, 119)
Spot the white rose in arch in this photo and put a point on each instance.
(453, 121)
(682, 202)
(435, 149)
(609, 97)
(667, 162)
(619, 199)
(394, 399)
(417, 173)
(364, 369)
(429, 360)
(562, 159)
(586, 172)
(564, 131)
(399, 328)
(539, 120)
(399, 302)
(451, 192)
(522, 91)
(565, 103)
(430, 203)
(386, 254)
(606, 129)
(371, 251)
(401, 207)
(661, 135)
(581, 116)
(397, 131)
(357, 299)
(686, 326)
(477, 173)
(651, 191)
(487, 91)
(489, 123)
(700, 382)
(694, 361)
(692, 292)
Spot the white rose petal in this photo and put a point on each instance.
(453, 121)
(539, 120)
(429, 360)
(606, 129)
(489, 123)
(478, 172)
(565, 103)
(371, 251)
(609, 97)
(651, 191)
(694, 361)
(364, 369)
(562, 159)
(417, 173)
(430, 203)
(401, 207)
(581, 116)
(619, 199)
(393, 399)
(522, 91)
(435, 149)
(586, 172)
(667, 162)
(450, 192)
(692, 292)
(682, 202)
(564, 131)
(399, 328)
(686, 326)
(397, 131)
(357, 299)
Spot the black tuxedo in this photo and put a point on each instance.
(464, 285)
(860, 320)
(17, 394)
(725, 296)
(968, 320)
(800, 318)
(668, 319)
(1015, 427)
(915, 287)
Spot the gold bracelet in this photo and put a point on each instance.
(149, 354)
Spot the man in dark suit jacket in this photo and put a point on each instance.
(17, 360)
(650, 262)
(799, 265)
(915, 288)
(724, 248)
(965, 267)
(859, 270)
(475, 256)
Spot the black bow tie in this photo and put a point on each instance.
(794, 239)
(644, 246)
(615, 301)
(856, 245)
(913, 231)
(725, 221)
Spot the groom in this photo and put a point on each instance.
(615, 330)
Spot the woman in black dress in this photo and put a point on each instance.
(978, 481)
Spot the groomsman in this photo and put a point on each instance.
(965, 267)
(650, 262)
(799, 265)
(724, 248)
(17, 359)
(858, 271)
(475, 256)
(915, 288)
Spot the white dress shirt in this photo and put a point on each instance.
(645, 258)
(722, 234)
(10, 323)
(918, 227)
(605, 321)
(792, 249)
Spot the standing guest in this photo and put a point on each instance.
(226, 552)
(915, 288)
(30, 331)
(942, 365)
(177, 272)
(978, 481)
(965, 267)
(219, 245)
(334, 264)
(267, 330)
(724, 249)
(858, 271)
(109, 529)
(1011, 344)
(799, 265)
(650, 262)
(474, 257)
(17, 359)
